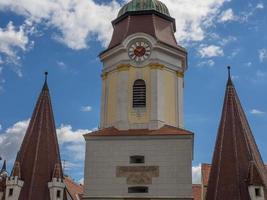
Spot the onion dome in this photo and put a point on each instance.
(144, 5)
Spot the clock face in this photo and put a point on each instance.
(139, 51)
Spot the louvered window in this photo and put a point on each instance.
(139, 94)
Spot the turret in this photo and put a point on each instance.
(56, 186)
(255, 183)
(3, 176)
(14, 184)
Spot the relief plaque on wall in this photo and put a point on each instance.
(138, 175)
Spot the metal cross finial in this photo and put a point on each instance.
(46, 74)
(229, 71)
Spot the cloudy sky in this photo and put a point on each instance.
(65, 37)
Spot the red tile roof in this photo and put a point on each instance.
(235, 149)
(39, 152)
(196, 188)
(74, 189)
(205, 172)
(165, 130)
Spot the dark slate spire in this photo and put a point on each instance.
(3, 167)
(237, 162)
(39, 152)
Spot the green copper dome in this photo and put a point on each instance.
(141, 5)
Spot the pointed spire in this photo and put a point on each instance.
(57, 171)
(253, 175)
(16, 170)
(235, 152)
(39, 152)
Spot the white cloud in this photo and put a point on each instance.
(208, 63)
(67, 135)
(262, 54)
(76, 20)
(210, 51)
(71, 141)
(61, 65)
(248, 64)
(227, 40)
(259, 6)
(227, 15)
(261, 74)
(193, 17)
(81, 181)
(244, 17)
(79, 21)
(12, 40)
(10, 139)
(69, 165)
(235, 77)
(234, 53)
(196, 174)
(256, 112)
(86, 108)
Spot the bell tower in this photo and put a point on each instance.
(141, 150)
(143, 70)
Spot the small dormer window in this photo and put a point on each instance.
(58, 194)
(10, 192)
(139, 94)
(257, 192)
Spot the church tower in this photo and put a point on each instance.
(143, 70)
(141, 149)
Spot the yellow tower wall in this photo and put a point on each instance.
(167, 91)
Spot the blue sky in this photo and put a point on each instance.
(64, 37)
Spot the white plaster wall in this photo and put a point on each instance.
(173, 155)
(15, 184)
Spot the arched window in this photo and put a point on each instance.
(139, 94)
